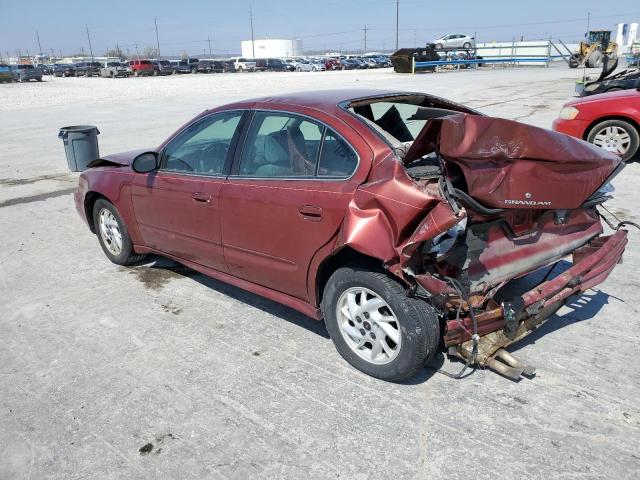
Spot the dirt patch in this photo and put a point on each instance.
(157, 276)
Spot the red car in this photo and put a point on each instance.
(609, 120)
(397, 217)
(141, 67)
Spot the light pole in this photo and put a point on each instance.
(155, 20)
(253, 47)
(397, 21)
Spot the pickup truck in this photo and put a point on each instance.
(244, 65)
(114, 70)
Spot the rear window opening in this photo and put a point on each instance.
(399, 119)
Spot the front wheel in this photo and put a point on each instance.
(376, 327)
(113, 235)
(616, 136)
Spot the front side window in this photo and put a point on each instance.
(281, 145)
(202, 147)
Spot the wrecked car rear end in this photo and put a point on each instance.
(467, 204)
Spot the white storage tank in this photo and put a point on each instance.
(271, 47)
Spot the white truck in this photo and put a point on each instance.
(242, 64)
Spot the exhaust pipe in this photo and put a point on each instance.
(512, 368)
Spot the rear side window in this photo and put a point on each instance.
(282, 145)
(337, 158)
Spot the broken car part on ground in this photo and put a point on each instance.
(399, 218)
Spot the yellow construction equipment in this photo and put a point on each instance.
(592, 52)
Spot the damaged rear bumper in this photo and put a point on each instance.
(501, 325)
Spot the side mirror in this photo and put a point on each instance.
(145, 162)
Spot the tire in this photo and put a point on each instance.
(438, 46)
(466, 45)
(193, 70)
(39, 79)
(136, 73)
(622, 126)
(595, 60)
(417, 324)
(125, 255)
(155, 73)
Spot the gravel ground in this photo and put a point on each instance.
(98, 361)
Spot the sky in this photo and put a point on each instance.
(329, 25)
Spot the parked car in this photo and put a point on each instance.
(180, 66)
(64, 70)
(222, 66)
(88, 69)
(115, 70)
(453, 40)
(5, 73)
(375, 210)
(609, 120)
(243, 64)
(25, 73)
(193, 64)
(162, 67)
(204, 66)
(332, 64)
(46, 69)
(303, 65)
(348, 64)
(141, 67)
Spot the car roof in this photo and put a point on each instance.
(326, 100)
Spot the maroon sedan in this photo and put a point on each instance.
(398, 218)
(609, 120)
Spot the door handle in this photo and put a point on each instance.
(311, 212)
(201, 197)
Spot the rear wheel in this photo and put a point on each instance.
(376, 327)
(113, 235)
(616, 136)
(466, 45)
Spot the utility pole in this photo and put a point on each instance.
(209, 42)
(39, 46)
(397, 20)
(588, 23)
(137, 54)
(253, 47)
(365, 39)
(155, 20)
(89, 38)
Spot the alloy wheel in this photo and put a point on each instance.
(110, 231)
(368, 325)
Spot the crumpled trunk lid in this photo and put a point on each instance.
(509, 165)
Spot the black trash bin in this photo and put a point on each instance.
(80, 145)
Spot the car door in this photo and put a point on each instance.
(286, 197)
(178, 208)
